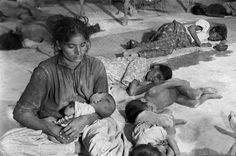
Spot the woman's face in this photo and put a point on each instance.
(75, 48)
(155, 76)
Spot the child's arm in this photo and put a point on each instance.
(172, 143)
(135, 88)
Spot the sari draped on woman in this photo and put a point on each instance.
(165, 40)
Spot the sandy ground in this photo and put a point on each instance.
(198, 137)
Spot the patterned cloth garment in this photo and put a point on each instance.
(168, 37)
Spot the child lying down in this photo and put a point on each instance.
(162, 90)
(154, 132)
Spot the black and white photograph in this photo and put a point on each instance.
(117, 77)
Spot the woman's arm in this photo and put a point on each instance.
(101, 82)
(29, 103)
(192, 31)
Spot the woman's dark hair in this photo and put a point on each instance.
(221, 29)
(66, 27)
(133, 109)
(145, 150)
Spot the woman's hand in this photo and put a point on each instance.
(74, 129)
(53, 131)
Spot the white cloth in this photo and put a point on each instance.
(83, 109)
(25, 141)
(161, 119)
(144, 134)
(204, 33)
(104, 138)
(149, 127)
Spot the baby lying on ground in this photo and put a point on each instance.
(153, 133)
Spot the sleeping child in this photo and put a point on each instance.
(153, 132)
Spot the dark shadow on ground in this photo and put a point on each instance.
(147, 35)
(205, 152)
(195, 57)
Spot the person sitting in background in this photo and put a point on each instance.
(152, 128)
(175, 35)
(162, 90)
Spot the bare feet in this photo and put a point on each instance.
(197, 93)
(207, 96)
(208, 90)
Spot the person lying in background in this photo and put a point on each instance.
(175, 35)
(215, 9)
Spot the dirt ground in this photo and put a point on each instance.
(204, 68)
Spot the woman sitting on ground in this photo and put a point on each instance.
(175, 35)
(71, 75)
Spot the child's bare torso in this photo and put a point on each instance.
(162, 99)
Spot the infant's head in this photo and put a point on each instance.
(96, 97)
(134, 108)
(69, 109)
(145, 149)
(102, 99)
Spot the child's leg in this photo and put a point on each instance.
(205, 97)
(188, 91)
(170, 152)
(185, 101)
